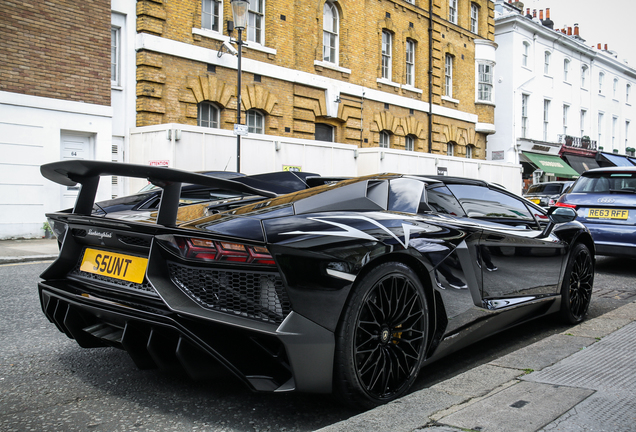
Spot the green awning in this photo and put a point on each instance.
(551, 165)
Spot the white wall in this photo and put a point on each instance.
(31, 128)
(202, 148)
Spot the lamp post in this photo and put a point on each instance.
(239, 14)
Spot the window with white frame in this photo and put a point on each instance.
(546, 62)
(474, 18)
(387, 52)
(614, 123)
(524, 54)
(409, 143)
(410, 62)
(584, 70)
(255, 21)
(601, 78)
(583, 121)
(566, 70)
(566, 112)
(484, 82)
(115, 56)
(255, 121)
(452, 11)
(207, 115)
(469, 151)
(626, 133)
(546, 118)
(615, 88)
(628, 90)
(524, 115)
(448, 76)
(330, 31)
(211, 14)
(450, 149)
(600, 128)
(385, 139)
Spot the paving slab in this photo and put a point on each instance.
(478, 381)
(544, 353)
(524, 407)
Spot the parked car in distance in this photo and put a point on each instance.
(605, 201)
(546, 194)
(346, 288)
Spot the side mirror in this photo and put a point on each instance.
(558, 215)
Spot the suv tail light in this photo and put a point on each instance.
(562, 204)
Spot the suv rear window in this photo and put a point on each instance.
(606, 182)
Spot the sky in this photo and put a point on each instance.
(600, 21)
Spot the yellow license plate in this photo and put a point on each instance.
(535, 200)
(118, 266)
(608, 214)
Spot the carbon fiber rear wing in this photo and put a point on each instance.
(88, 172)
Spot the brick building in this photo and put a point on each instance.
(363, 72)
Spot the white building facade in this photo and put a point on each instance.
(559, 101)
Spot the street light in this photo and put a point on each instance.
(239, 14)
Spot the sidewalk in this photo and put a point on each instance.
(15, 251)
(580, 380)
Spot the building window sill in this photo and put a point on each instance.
(412, 88)
(388, 82)
(450, 99)
(332, 66)
(484, 102)
(222, 38)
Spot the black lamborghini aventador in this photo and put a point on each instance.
(347, 287)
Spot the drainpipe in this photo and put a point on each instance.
(430, 76)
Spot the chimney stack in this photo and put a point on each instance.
(606, 47)
(576, 30)
(598, 46)
(569, 31)
(541, 14)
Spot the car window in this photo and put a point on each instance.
(536, 188)
(404, 195)
(552, 189)
(482, 202)
(440, 200)
(606, 182)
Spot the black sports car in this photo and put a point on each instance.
(348, 287)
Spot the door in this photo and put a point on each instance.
(74, 146)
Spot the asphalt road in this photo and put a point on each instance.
(49, 383)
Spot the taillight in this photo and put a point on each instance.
(212, 250)
(562, 204)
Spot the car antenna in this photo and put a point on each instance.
(228, 162)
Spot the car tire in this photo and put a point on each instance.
(576, 290)
(381, 340)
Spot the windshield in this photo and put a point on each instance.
(606, 183)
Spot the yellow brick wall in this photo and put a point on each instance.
(169, 88)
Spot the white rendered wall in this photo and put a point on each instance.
(31, 128)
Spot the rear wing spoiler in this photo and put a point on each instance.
(88, 172)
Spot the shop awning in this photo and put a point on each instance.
(551, 165)
(581, 163)
(617, 160)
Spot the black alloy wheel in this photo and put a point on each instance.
(382, 338)
(576, 291)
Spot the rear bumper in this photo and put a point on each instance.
(297, 355)
(613, 240)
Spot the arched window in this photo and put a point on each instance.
(601, 78)
(324, 132)
(615, 88)
(207, 115)
(474, 18)
(385, 139)
(469, 151)
(524, 54)
(628, 90)
(330, 31)
(409, 143)
(255, 121)
(450, 148)
(566, 70)
(546, 63)
(584, 70)
(448, 76)
(387, 54)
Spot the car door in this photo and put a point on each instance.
(516, 262)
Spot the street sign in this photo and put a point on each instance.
(240, 129)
